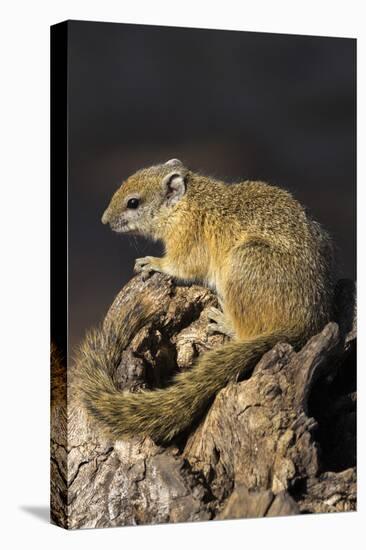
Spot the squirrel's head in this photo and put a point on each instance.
(146, 197)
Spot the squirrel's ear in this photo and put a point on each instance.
(174, 162)
(174, 186)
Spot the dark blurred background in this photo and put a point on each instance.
(235, 105)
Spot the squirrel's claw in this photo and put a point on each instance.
(220, 323)
(214, 314)
(144, 266)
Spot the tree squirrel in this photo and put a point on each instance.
(270, 264)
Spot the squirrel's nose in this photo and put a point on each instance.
(105, 217)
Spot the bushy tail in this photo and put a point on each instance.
(160, 413)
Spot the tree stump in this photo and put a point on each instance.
(281, 442)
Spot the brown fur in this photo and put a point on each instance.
(270, 264)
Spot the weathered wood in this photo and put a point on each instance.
(266, 446)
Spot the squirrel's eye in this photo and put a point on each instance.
(133, 203)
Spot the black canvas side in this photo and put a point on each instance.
(59, 264)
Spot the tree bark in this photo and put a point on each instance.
(281, 442)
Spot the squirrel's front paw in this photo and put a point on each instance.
(146, 266)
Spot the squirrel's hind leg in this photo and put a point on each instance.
(220, 323)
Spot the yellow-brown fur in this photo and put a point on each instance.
(270, 264)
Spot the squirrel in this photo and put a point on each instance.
(270, 264)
